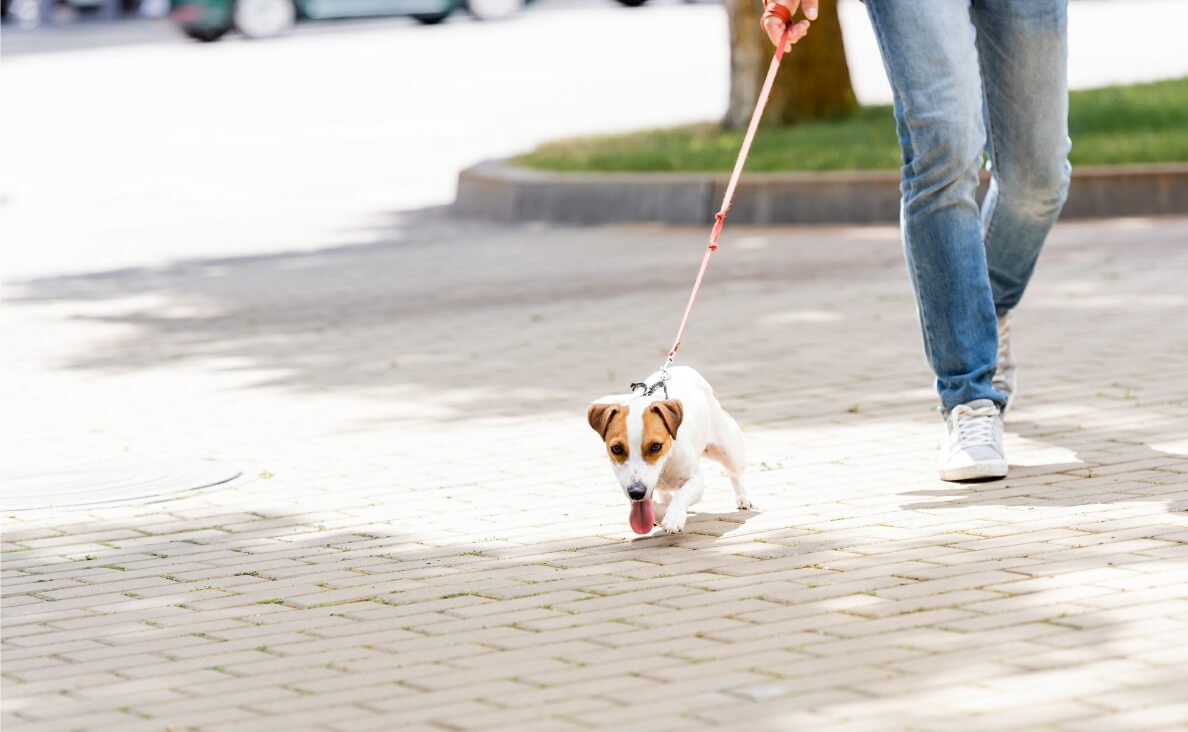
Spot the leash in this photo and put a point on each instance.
(727, 199)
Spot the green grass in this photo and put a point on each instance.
(1141, 123)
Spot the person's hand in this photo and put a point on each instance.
(774, 25)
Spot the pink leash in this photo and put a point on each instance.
(720, 217)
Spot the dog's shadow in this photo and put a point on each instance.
(699, 525)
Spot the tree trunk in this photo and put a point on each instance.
(814, 79)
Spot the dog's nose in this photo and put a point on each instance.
(636, 491)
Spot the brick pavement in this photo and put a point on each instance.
(427, 537)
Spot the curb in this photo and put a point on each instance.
(502, 192)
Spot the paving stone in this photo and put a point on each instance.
(428, 536)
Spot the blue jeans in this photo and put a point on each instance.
(972, 77)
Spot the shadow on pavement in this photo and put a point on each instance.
(222, 604)
(1101, 452)
(510, 321)
(806, 333)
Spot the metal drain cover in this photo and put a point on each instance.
(83, 486)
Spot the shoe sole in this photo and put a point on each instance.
(980, 471)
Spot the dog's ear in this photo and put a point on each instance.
(671, 412)
(600, 415)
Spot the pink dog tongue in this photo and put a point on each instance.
(642, 516)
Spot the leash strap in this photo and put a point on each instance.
(727, 199)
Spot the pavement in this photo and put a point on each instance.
(427, 536)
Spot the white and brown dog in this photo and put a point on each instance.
(655, 447)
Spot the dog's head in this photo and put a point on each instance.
(638, 437)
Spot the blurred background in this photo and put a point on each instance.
(293, 125)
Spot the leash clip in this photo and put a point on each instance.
(648, 391)
(661, 383)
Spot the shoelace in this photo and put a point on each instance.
(975, 426)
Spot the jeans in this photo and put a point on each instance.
(974, 77)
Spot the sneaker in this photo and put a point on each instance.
(1006, 377)
(972, 447)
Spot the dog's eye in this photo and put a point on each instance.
(656, 447)
(616, 449)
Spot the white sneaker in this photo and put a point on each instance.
(972, 446)
(1006, 375)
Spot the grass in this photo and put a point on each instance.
(1139, 123)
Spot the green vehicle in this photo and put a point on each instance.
(210, 20)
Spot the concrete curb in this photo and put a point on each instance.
(503, 192)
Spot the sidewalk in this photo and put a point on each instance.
(429, 538)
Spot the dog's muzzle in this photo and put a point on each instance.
(637, 491)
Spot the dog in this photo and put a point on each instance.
(655, 445)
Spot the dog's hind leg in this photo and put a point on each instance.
(731, 452)
(742, 499)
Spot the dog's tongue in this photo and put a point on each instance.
(642, 516)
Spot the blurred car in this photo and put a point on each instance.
(209, 20)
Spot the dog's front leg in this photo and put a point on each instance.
(678, 507)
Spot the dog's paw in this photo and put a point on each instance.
(673, 522)
(744, 503)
